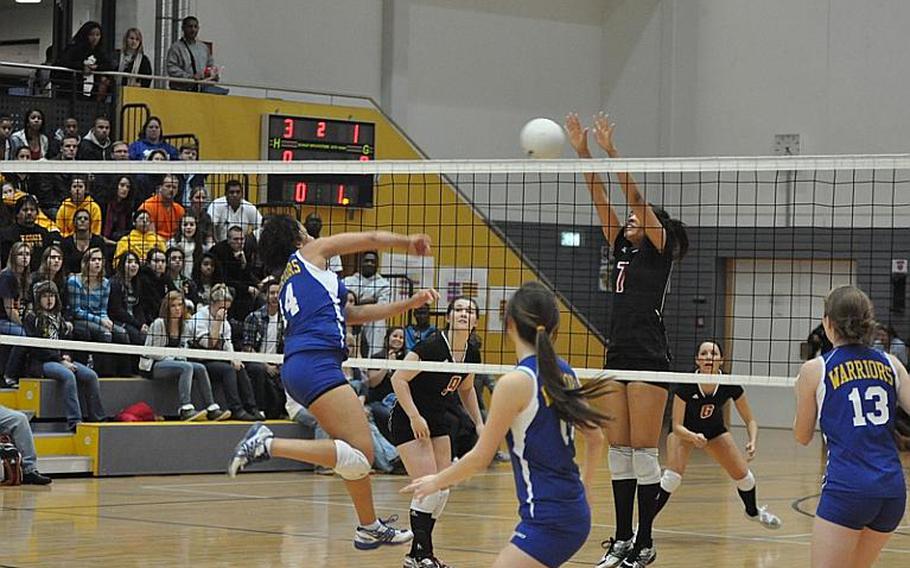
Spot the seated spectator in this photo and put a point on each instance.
(142, 238)
(82, 239)
(209, 329)
(133, 59)
(32, 136)
(96, 144)
(88, 294)
(233, 210)
(79, 200)
(237, 258)
(199, 202)
(167, 330)
(16, 424)
(165, 213)
(175, 262)
(124, 304)
(263, 332)
(6, 130)
(190, 241)
(188, 58)
(151, 139)
(120, 151)
(381, 397)
(54, 188)
(371, 288)
(8, 206)
(77, 380)
(206, 275)
(188, 153)
(104, 187)
(70, 128)
(50, 270)
(85, 54)
(147, 184)
(154, 283)
(421, 329)
(118, 217)
(887, 341)
(14, 285)
(23, 182)
(27, 231)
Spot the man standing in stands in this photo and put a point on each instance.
(165, 214)
(371, 288)
(25, 230)
(421, 329)
(96, 144)
(233, 210)
(188, 58)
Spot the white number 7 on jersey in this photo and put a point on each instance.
(290, 301)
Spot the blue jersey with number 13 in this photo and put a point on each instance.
(312, 300)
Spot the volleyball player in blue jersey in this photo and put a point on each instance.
(535, 407)
(313, 303)
(853, 392)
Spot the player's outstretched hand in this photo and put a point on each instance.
(423, 297)
(578, 136)
(422, 486)
(603, 132)
(419, 244)
(699, 441)
(750, 451)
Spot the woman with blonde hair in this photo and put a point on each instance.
(133, 59)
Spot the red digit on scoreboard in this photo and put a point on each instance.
(320, 129)
(287, 156)
(288, 128)
(364, 158)
(300, 190)
(341, 199)
(356, 133)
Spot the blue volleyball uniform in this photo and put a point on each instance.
(555, 518)
(314, 347)
(857, 400)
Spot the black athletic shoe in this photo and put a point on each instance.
(35, 478)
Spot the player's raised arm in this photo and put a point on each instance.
(609, 221)
(317, 251)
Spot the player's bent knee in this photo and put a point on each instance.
(426, 504)
(646, 465)
(620, 458)
(350, 463)
(670, 481)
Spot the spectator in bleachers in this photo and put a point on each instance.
(238, 260)
(147, 184)
(886, 340)
(133, 59)
(120, 151)
(154, 283)
(188, 153)
(313, 226)
(16, 424)
(104, 186)
(79, 200)
(26, 230)
(199, 202)
(416, 332)
(22, 182)
(54, 188)
(169, 330)
(88, 294)
(87, 55)
(209, 329)
(14, 285)
(233, 210)
(165, 213)
(124, 304)
(371, 288)
(188, 58)
(78, 382)
(70, 128)
(142, 238)
(263, 332)
(82, 240)
(96, 145)
(151, 139)
(175, 262)
(206, 276)
(381, 397)
(6, 130)
(50, 270)
(8, 207)
(118, 216)
(189, 240)
(32, 135)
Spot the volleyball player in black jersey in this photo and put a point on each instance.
(418, 426)
(645, 248)
(698, 422)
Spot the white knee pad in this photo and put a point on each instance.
(441, 504)
(670, 481)
(620, 459)
(747, 483)
(646, 465)
(427, 504)
(350, 463)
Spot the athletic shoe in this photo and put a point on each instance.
(217, 414)
(192, 415)
(35, 478)
(368, 539)
(617, 550)
(639, 558)
(250, 449)
(766, 518)
(427, 562)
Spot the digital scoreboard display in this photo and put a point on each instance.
(297, 138)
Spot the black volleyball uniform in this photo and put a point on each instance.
(430, 390)
(641, 276)
(704, 410)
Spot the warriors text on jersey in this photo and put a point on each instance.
(704, 410)
(857, 398)
(312, 300)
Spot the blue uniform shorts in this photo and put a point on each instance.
(307, 375)
(855, 511)
(552, 544)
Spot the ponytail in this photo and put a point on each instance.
(675, 229)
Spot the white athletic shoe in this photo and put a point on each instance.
(766, 518)
(643, 558)
(368, 539)
(250, 449)
(428, 562)
(616, 552)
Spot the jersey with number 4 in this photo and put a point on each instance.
(311, 299)
(857, 398)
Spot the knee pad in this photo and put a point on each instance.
(620, 460)
(646, 465)
(441, 503)
(670, 481)
(350, 463)
(427, 504)
(747, 483)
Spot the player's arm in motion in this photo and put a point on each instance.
(810, 373)
(401, 380)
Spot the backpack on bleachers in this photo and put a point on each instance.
(10, 462)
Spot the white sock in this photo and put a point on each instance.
(268, 445)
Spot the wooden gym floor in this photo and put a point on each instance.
(303, 519)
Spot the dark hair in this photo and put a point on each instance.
(71, 137)
(451, 306)
(5, 117)
(279, 238)
(197, 269)
(161, 151)
(120, 267)
(232, 183)
(81, 38)
(267, 283)
(388, 333)
(139, 212)
(188, 146)
(101, 117)
(198, 238)
(675, 229)
(84, 178)
(535, 315)
(711, 340)
(26, 116)
(851, 314)
(146, 125)
(167, 253)
(42, 273)
(152, 252)
(188, 19)
(44, 288)
(26, 199)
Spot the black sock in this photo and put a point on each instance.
(422, 527)
(748, 498)
(624, 505)
(647, 509)
(432, 526)
(662, 497)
